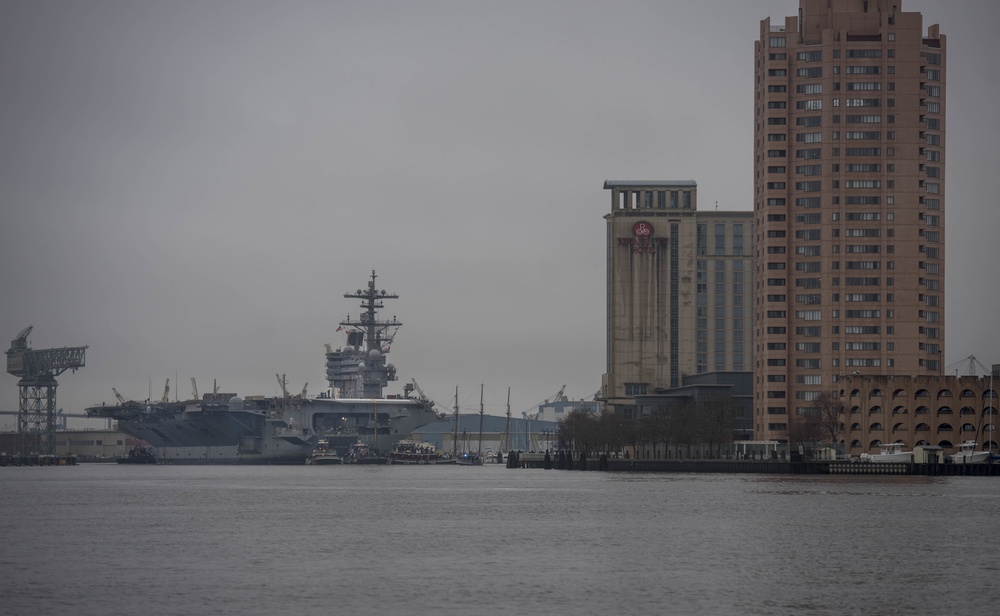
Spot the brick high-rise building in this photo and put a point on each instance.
(849, 160)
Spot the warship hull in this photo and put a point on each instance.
(266, 430)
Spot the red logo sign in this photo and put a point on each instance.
(642, 229)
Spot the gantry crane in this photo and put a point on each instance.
(37, 369)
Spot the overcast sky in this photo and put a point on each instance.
(190, 188)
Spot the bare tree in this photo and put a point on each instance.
(716, 417)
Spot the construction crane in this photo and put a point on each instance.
(194, 389)
(166, 392)
(37, 369)
(121, 400)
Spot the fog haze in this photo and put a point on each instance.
(190, 188)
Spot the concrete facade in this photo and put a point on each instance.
(940, 411)
(849, 165)
(679, 290)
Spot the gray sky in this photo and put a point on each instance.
(189, 188)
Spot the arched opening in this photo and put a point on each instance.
(944, 393)
(899, 393)
(922, 427)
(899, 427)
(944, 410)
(855, 443)
(922, 410)
(875, 393)
(945, 427)
(900, 410)
(922, 393)
(874, 444)
(967, 427)
(945, 444)
(875, 410)
(855, 426)
(855, 410)
(922, 442)
(875, 427)
(968, 393)
(855, 393)
(967, 410)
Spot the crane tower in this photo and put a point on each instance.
(38, 369)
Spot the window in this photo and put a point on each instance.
(774, 88)
(863, 53)
(864, 119)
(809, 315)
(812, 56)
(809, 154)
(809, 88)
(809, 105)
(862, 151)
(808, 121)
(862, 134)
(777, 41)
(812, 186)
(809, 169)
(863, 70)
(862, 183)
(864, 86)
(862, 167)
(809, 202)
(809, 137)
(863, 102)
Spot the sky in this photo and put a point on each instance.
(190, 188)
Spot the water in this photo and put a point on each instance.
(109, 539)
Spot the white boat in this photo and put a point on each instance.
(967, 454)
(889, 452)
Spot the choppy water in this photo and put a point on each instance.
(107, 539)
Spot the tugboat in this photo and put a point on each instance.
(362, 453)
(415, 452)
(138, 455)
(323, 454)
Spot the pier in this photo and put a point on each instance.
(567, 461)
(38, 460)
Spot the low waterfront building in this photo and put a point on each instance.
(919, 410)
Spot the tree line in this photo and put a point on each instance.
(706, 425)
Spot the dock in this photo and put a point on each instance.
(38, 460)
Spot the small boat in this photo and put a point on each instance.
(889, 452)
(470, 459)
(323, 454)
(417, 452)
(967, 454)
(362, 453)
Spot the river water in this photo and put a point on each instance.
(106, 539)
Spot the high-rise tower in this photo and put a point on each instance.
(849, 158)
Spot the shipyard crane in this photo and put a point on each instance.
(37, 369)
(166, 392)
(121, 400)
(194, 389)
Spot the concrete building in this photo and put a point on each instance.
(849, 195)
(941, 411)
(679, 290)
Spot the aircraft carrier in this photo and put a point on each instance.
(225, 428)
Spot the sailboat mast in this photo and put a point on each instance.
(454, 442)
(506, 431)
(480, 452)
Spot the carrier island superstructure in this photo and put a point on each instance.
(225, 428)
